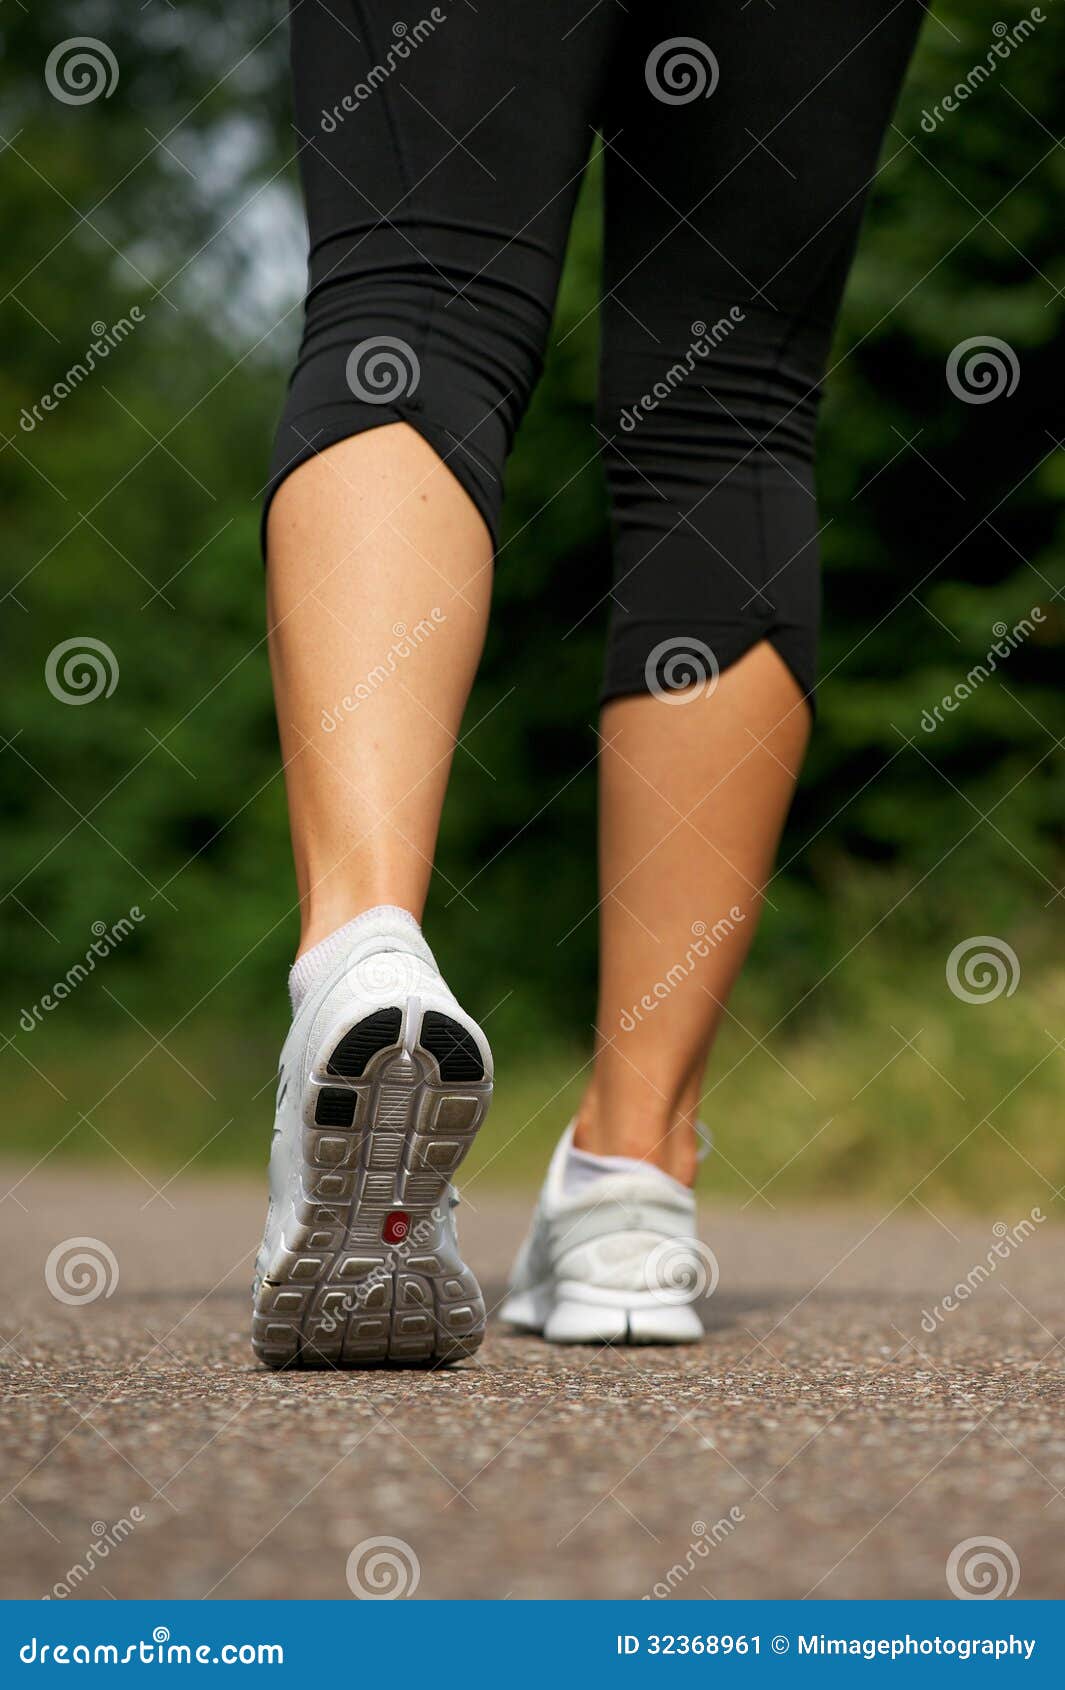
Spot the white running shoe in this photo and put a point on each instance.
(619, 1263)
(384, 1080)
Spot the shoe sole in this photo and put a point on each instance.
(364, 1272)
(575, 1315)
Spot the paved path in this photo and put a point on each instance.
(820, 1442)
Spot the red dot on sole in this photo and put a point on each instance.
(396, 1227)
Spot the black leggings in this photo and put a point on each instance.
(441, 153)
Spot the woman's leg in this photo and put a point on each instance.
(436, 237)
(440, 163)
(739, 153)
(692, 798)
(378, 592)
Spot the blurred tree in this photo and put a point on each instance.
(131, 511)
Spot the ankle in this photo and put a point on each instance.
(661, 1133)
(322, 921)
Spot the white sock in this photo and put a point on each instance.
(315, 964)
(582, 1170)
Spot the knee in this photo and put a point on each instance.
(740, 394)
(709, 461)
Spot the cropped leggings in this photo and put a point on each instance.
(441, 150)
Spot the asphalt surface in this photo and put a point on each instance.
(822, 1442)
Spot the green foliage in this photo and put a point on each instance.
(131, 516)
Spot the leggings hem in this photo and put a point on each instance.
(307, 445)
(686, 647)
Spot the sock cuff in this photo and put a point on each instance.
(582, 1168)
(308, 969)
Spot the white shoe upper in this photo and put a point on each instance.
(359, 1147)
(383, 1082)
(620, 1261)
(385, 965)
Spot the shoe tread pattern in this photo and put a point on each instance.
(384, 1131)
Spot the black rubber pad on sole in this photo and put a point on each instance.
(355, 1049)
(455, 1050)
(335, 1108)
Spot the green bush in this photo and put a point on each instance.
(132, 512)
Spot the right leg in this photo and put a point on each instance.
(732, 203)
(745, 142)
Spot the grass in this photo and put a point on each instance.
(893, 1091)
